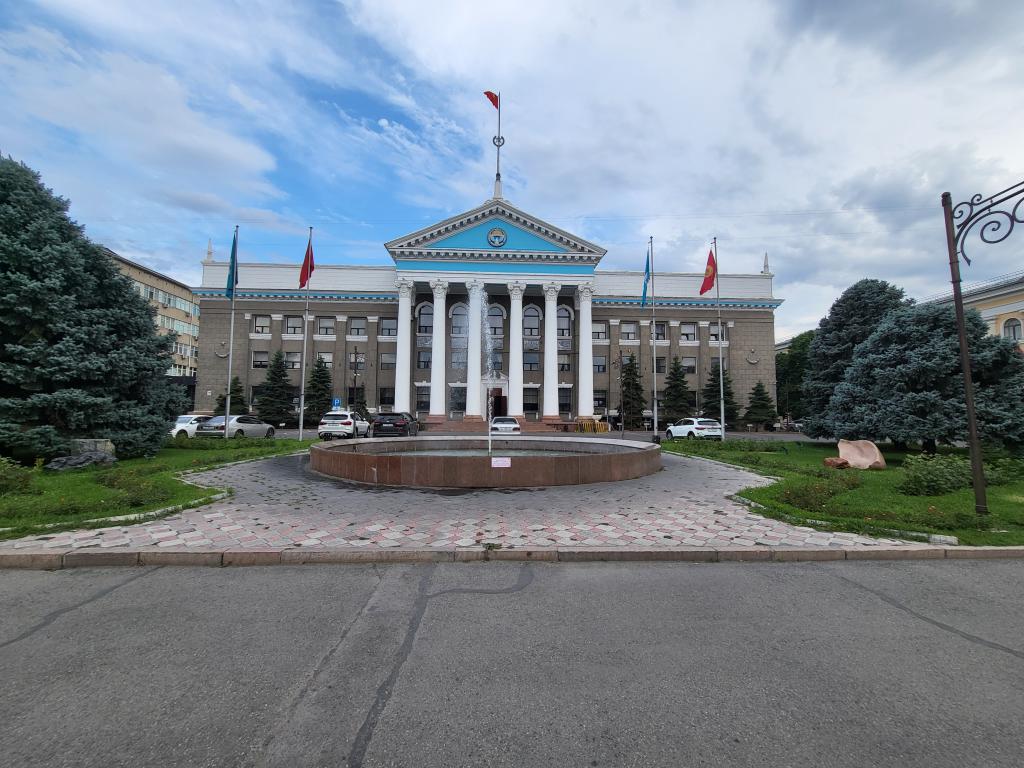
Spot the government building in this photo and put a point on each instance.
(492, 303)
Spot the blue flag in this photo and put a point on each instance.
(229, 291)
(647, 279)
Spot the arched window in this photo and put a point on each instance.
(460, 320)
(495, 321)
(564, 322)
(1011, 329)
(426, 322)
(531, 321)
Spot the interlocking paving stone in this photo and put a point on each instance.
(278, 503)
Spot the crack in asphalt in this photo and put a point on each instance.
(934, 622)
(53, 616)
(362, 740)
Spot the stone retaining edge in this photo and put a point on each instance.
(56, 559)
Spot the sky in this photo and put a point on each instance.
(820, 133)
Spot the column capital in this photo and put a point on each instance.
(516, 290)
(474, 287)
(585, 292)
(439, 287)
(551, 291)
(404, 286)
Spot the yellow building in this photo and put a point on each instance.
(1001, 304)
(176, 310)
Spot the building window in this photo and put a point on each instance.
(628, 331)
(327, 357)
(388, 326)
(599, 330)
(1011, 329)
(564, 323)
(600, 363)
(325, 326)
(688, 332)
(659, 365)
(530, 399)
(387, 361)
(600, 399)
(689, 365)
(713, 332)
(386, 396)
(564, 364)
(459, 359)
(660, 332)
(531, 321)
(423, 358)
(293, 324)
(457, 399)
(357, 326)
(531, 361)
(357, 361)
(356, 395)
(460, 321)
(292, 359)
(564, 400)
(260, 359)
(426, 321)
(496, 361)
(261, 324)
(422, 398)
(495, 321)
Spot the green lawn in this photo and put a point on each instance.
(70, 499)
(861, 501)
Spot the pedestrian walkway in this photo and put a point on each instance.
(279, 503)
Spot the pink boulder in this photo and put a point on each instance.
(862, 454)
(836, 462)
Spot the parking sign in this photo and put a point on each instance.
(336, 402)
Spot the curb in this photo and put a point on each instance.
(56, 559)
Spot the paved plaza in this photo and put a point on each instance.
(280, 503)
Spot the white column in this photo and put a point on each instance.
(551, 349)
(473, 373)
(403, 354)
(438, 366)
(585, 391)
(515, 350)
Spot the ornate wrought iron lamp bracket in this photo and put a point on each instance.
(992, 217)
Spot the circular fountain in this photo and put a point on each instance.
(479, 462)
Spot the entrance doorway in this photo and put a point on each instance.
(500, 402)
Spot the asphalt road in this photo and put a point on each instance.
(490, 664)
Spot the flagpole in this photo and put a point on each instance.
(654, 347)
(232, 281)
(305, 338)
(721, 338)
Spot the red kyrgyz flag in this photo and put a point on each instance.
(710, 274)
(494, 98)
(307, 264)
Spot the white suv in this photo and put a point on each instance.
(342, 424)
(694, 428)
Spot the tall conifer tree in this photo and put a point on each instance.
(633, 400)
(761, 409)
(710, 400)
(678, 397)
(318, 392)
(80, 355)
(238, 404)
(274, 404)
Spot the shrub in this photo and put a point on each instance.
(15, 478)
(926, 475)
(813, 496)
(1004, 471)
(143, 492)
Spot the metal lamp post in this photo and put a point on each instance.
(994, 218)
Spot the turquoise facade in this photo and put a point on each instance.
(495, 267)
(475, 239)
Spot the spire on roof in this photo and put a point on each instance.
(209, 252)
(766, 270)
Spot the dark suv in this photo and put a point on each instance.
(398, 424)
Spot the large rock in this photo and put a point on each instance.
(835, 462)
(87, 459)
(862, 454)
(91, 445)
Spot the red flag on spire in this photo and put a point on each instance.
(307, 264)
(494, 98)
(710, 274)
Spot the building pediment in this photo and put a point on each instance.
(494, 231)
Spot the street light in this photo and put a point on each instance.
(994, 218)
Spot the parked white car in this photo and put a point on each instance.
(239, 426)
(694, 428)
(186, 425)
(342, 424)
(508, 425)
